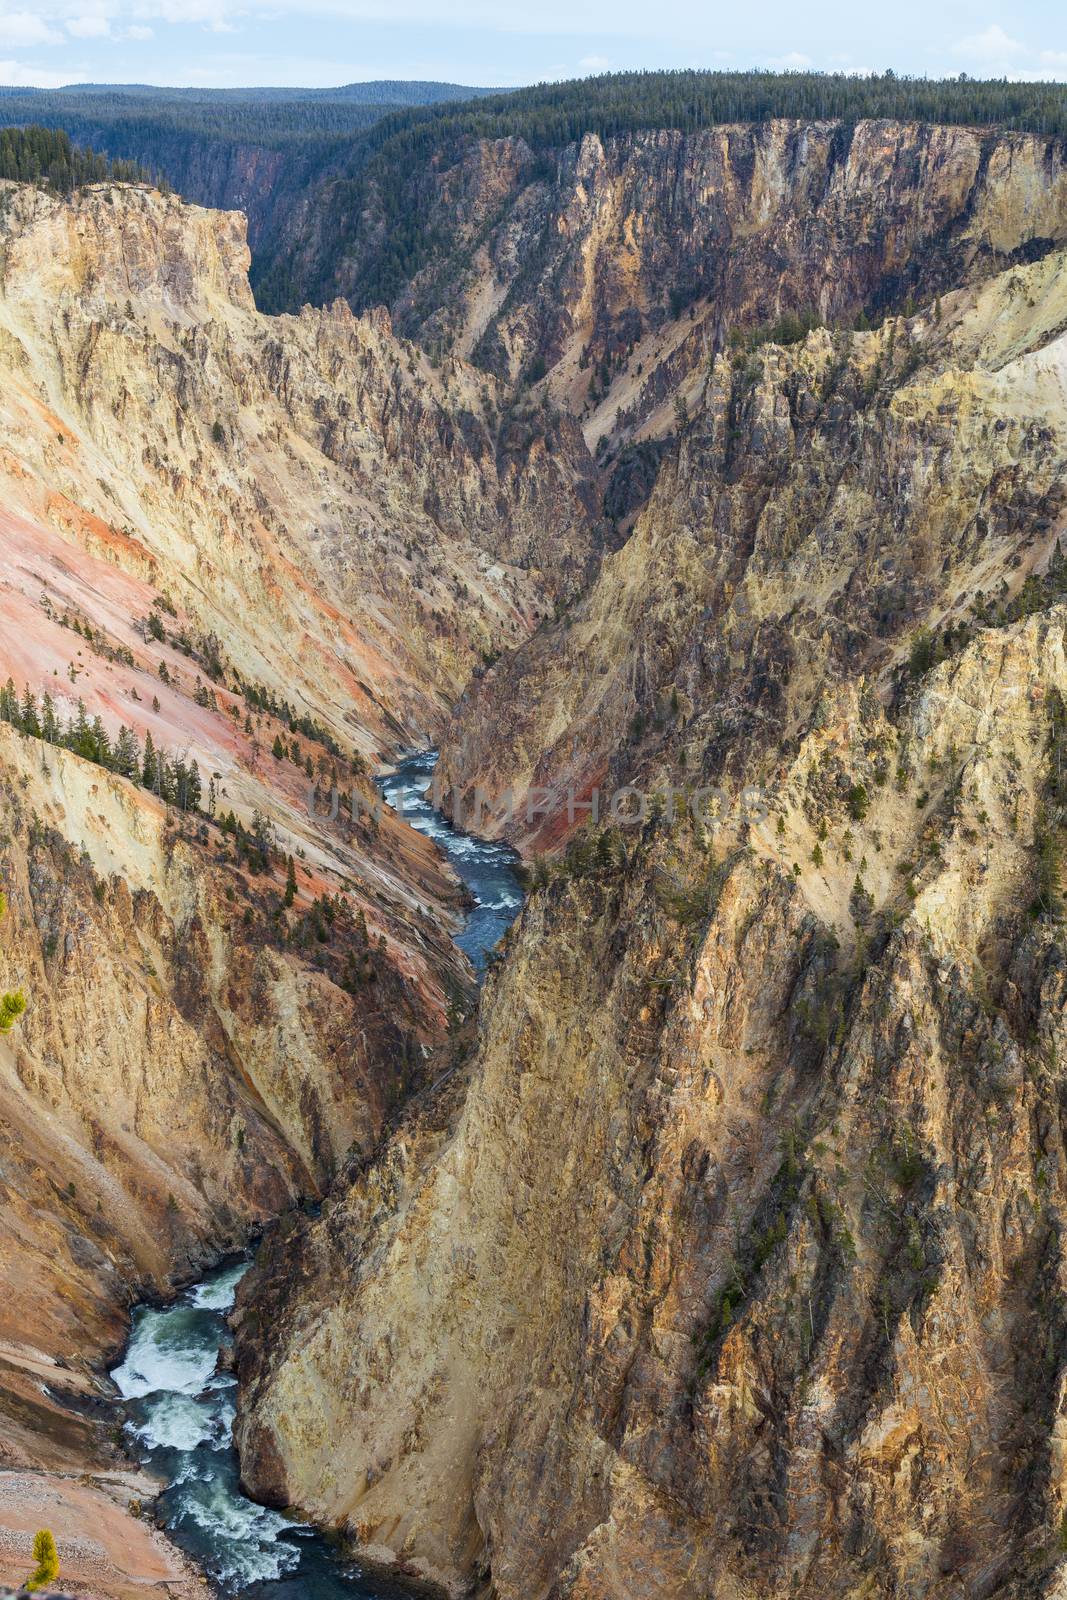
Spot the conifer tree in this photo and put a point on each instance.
(30, 723)
(148, 767)
(49, 721)
(127, 755)
(47, 1558)
(194, 789)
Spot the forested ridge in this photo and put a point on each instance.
(388, 158)
(363, 148)
(47, 157)
(256, 150)
(548, 115)
(274, 117)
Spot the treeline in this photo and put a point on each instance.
(174, 779)
(551, 115)
(387, 164)
(130, 117)
(46, 157)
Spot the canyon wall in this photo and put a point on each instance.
(734, 1264)
(823, 503)
(270, 551)
(608, 270)
(727, 1259)
(740, 1262)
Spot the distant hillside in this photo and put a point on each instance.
(249, 149)
(371, 219)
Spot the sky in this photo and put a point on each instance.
(221, 43)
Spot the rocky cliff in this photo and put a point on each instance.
(823, 503)
(734, 1265)
(267, 551)
(609, 268)
(313, 478)
(741, 1255)
(727, 1258)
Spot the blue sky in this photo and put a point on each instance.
(322, 42)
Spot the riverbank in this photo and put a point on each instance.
(174, 1375)
(105, 1549)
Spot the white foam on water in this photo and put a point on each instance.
(178, 1422)
(160, 1357)
(244, 1537)
(218, 1293)
(461, 844)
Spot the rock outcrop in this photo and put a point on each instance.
(735, 1264)
(272, 551)
(824, 502)
(617, 266)
(310, 489)
(742, 1255)
(728, 1257)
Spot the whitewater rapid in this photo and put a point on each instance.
(179, 1395)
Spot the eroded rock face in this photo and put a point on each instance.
(740, 1260)
(735, 1265)
(617, 266)
(357, 527)
(276, 547)
(823, 503)
(730, 1258)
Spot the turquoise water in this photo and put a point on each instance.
(487, 869)
(179, 1404)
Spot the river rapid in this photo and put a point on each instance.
(180, 1399)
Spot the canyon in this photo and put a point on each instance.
(218, 539)
(733, 1267)
(715, 1245)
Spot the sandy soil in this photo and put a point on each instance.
(105, 1553)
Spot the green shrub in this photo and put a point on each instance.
(11, 1007)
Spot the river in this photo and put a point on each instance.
(180, 1408)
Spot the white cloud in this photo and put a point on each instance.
(792, 61)
(994, 53)
(88, 27)
(16, 75)
(594, 63)
(991, 46)
(138, 31)
(18, 29)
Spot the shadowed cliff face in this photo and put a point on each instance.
(822, 504)
(736, 1259)
(616, 267)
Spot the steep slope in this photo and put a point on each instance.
(616, 265)
(240, 558)
(823, 503)
(310, 477)
(743, 1253)
(736, 1262)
